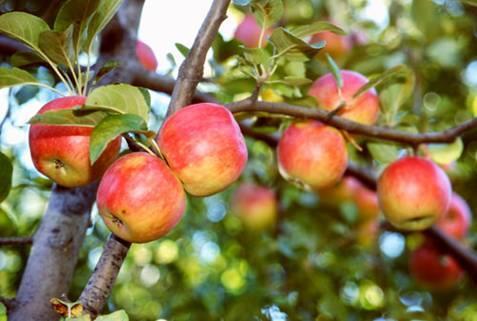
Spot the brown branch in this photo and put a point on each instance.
(445, 136)
(27, 240)
(100, 284)
(191, 70)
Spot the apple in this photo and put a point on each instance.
(363, 109)
(336, 45)
(341, 192)
(413, 193)
(255, 205)
(248, 32)
(62, 152)
(139, 198)
(312, 154)
(204, 147)
(366, 202)
(146, 56)
(456, 221)
(433, 269)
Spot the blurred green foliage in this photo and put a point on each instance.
(311, 267)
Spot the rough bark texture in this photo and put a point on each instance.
(54, 253)
(100, 284)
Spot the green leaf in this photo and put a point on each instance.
(124, 98)
(25, 58)
(3, 312)
(242, 3)
(335, 71)
(15, 76)
(104, 13)
(257, 56)
(268, 12)
(115, 316)
(446, 153)
(24, 27)
(110, 128)
(285, 41)
(296, 81)
(58, 45)
(384, 153)
(470, 2)
(70, 117)
(182, 49)
(85, 317)
(391, 75)
(5, 176)
(75, 12)
(319, 26)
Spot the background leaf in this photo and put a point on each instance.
(110, 128)
(319, 26)
(15, 76)
(115, 316)
(58, 45)
(104, 13)
(5, 177)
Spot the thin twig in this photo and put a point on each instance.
(26, 240)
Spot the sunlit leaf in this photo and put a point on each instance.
(110, 128)
(391, 75)
(268, 12)
(69, 117)
(257, 56)
(5, 176)
(319, 26)
(182, 49)
(105, 11)
(122, 97)
(3, 312)
(285, 41)
(58, 45)
(384, 153)
(446, 153)
(115, 316)
(15, 76)
(335, 71)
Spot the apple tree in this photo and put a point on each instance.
(318, 164)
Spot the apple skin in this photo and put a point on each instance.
(367, 203)
(255, 205)
(336, 45)
(413, 193)
(433, 269)
(62, 152)
(146, 56)
(248, 32)
(139, 198)
(204, 147)
(363, 110)
(312, 154)
(456, 221)
(341, 192)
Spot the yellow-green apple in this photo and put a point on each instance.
(62, 152)
(456, 221)
(248, 32)
(139, 198)
(413, 193)
(343, 191)
(312, 154)
(433, 269)
(336, 45)
(204, 147)
(366, 202)
(362, 109)
(255, 205)
(146, 56)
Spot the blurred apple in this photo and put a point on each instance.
(248, 32)
(336, 45)
(456, 221)
(146, 56)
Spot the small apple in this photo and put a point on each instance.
(366, 202)
(413, 193)
(248, 32)
(139, 198)
(204, 147)
(456, 221)
(312, 154)
(255, 205)
(146, 56)
(339, 193)
(62, 152)
(363, 109)
(336, 45)
(433, 269)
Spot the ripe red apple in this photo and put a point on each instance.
(312, 154)
(139, 198)
(204, 147)
(146, 56)
(413, 193)
(62, 152)
(366, 202)
(433, 269)
(363, 109)
(456, 221)
(248, 32)
(336, 45)
(255, 205)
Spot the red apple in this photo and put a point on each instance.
(341, 192)
(456, 221)
(413, 193)
(363, 109)
(62, 152)
(139, 198)
(366, 202)
(336, 45)
(312, 154)
(204, 147)
(433, 269)
(146, 56)
(248, 32)
(255, 205)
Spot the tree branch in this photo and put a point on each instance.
(27, 240)
(191, 70)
